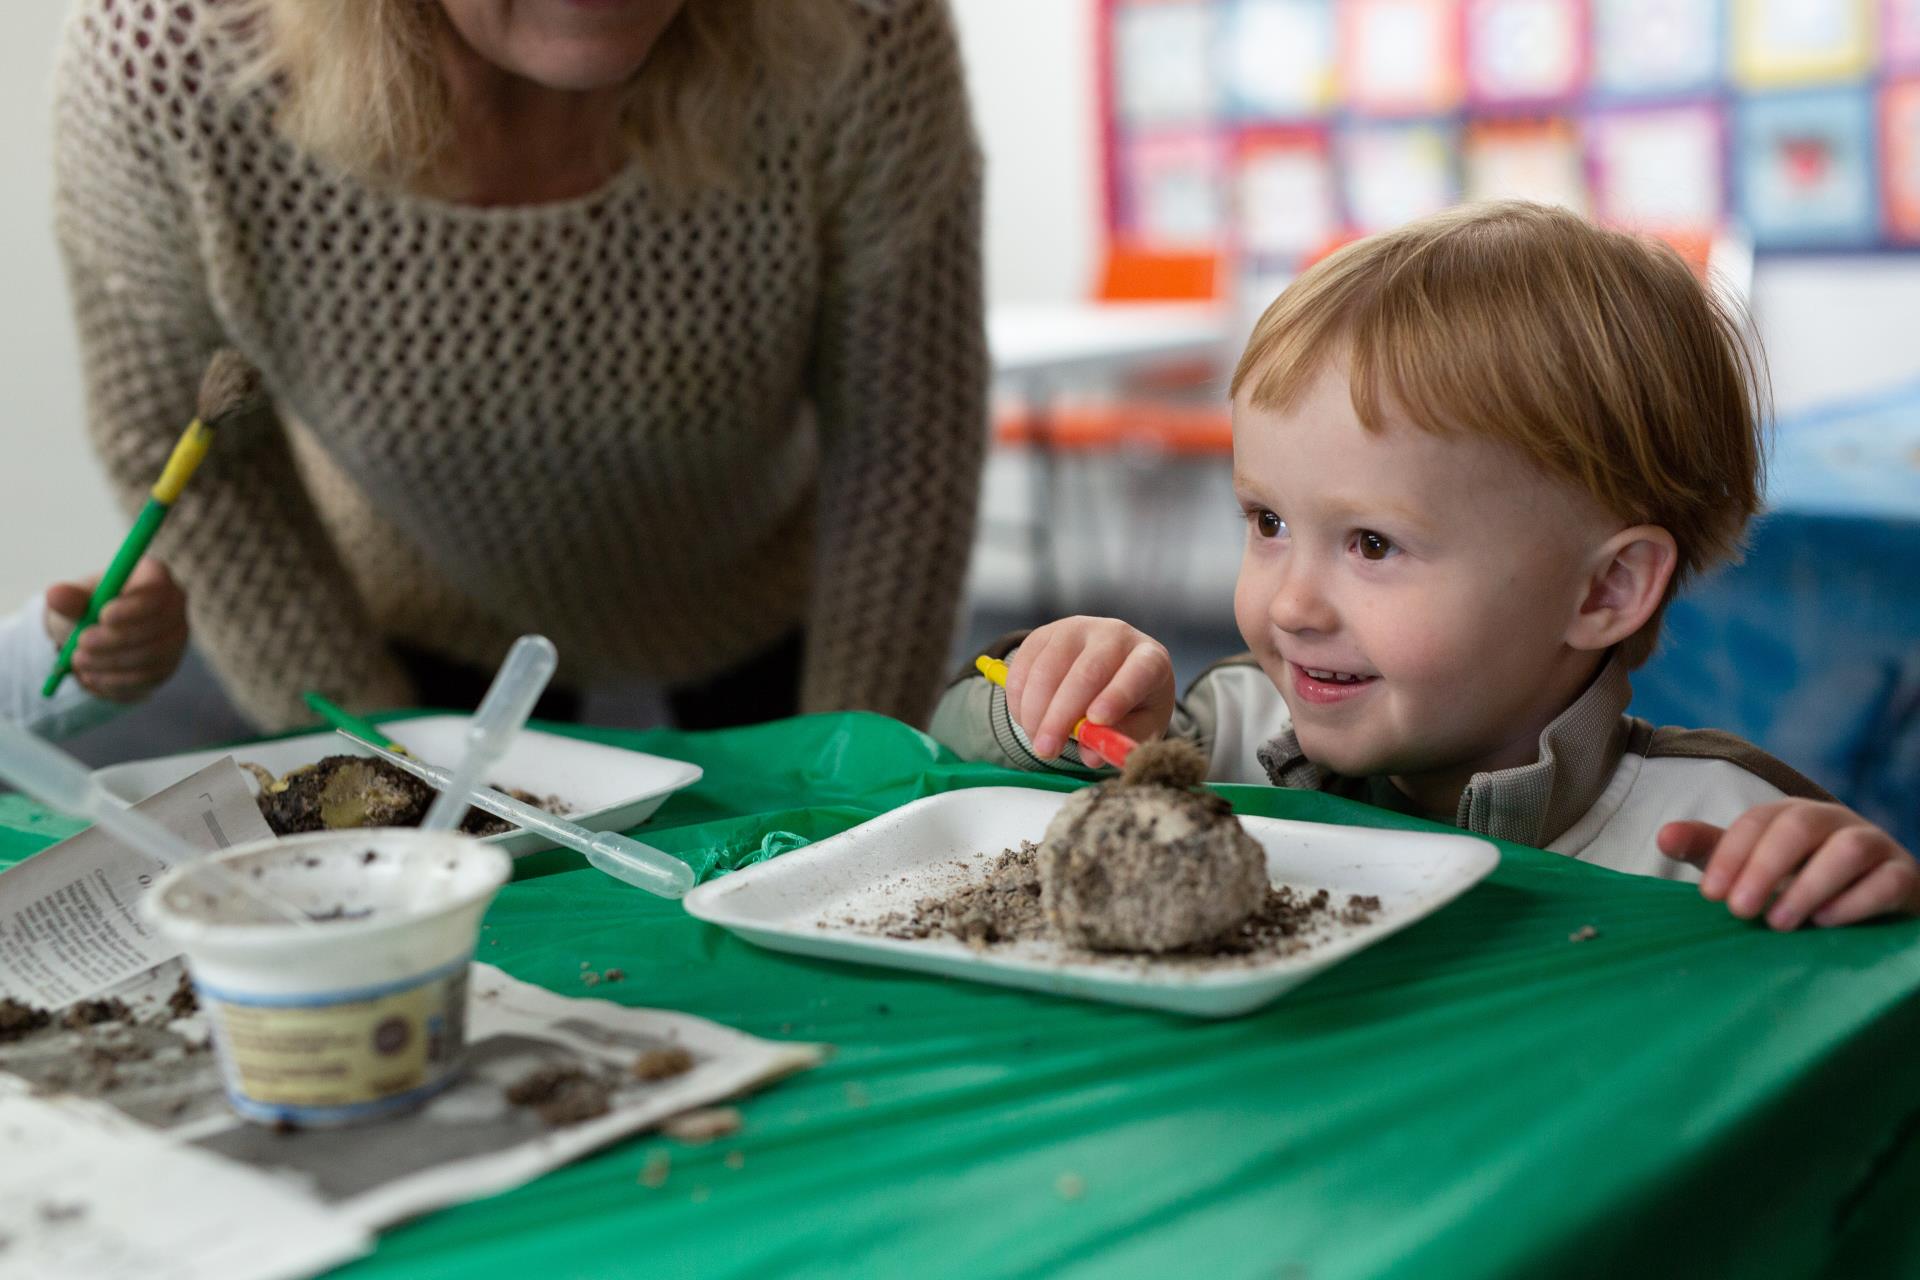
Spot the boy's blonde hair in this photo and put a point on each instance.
(1595, 353)
(363, 89)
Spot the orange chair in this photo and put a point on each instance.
(1132, 273)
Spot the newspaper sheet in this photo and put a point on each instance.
(132, 1106)
(68, 928)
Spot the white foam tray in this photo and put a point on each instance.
(605, 788)
(799, 902)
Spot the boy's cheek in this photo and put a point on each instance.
(1250, 612)
(1418, 641)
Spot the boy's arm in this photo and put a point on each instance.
(26, 656)
(1228, 712)
(972, 720)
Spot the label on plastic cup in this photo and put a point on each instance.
(343, 1052)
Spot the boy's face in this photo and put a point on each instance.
(1410, 595)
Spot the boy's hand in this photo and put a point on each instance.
(1099, 668)
(138, 640)
(1838, 867)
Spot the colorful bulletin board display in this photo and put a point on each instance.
(1285, 206)
(1655, 48)
(1806, 168)
(1900, 35)
(1163, 66)
(1658, 167)
(1175, 190)
(1796, 120)
(1278, 56)
(1786, 43)
(1900, 138)
(1398, 171)
(1525, 160)
(1399, 57)
(1524, 52)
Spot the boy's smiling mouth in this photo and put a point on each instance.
(1325, 684)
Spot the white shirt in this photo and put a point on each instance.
(26, 656)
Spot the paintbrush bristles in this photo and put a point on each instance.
(230, 388)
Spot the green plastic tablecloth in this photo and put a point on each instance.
(1479, 1095)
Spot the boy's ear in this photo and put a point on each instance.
(1626, 582)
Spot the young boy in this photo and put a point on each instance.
(1476, 456)
(133, 648)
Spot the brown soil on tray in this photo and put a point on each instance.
(1004, 908)
(344, 791)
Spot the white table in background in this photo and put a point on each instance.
(1031, 341)
(1037, 346)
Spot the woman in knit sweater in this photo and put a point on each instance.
(653, 325)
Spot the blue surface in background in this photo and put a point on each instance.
(1810, 648)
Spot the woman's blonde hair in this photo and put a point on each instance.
(362, 86)
(1595, 353)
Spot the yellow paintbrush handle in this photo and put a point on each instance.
(185, 459)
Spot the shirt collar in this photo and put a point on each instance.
(1529, 804)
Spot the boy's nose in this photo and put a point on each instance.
(1299, 604)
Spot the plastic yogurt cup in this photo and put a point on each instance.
(359, 1016)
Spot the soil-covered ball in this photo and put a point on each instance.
(1144, 862)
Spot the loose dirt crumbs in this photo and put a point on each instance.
(703, 1125)
(88, 1013)
(654, 1173)
(662, 1064)
(562, 1093)
(1004, 908)
(18, 1020)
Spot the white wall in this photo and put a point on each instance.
(1838, 327)
(56, 519)
(1030, 65)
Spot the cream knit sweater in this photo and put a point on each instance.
(661, 433)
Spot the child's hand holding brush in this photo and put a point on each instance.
(230, 390)
(138, 640)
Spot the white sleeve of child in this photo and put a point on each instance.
(26, 656)
(1230, 710)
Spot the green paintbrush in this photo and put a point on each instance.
(230, 388)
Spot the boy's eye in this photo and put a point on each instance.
(1268, 524)
(1372, 546)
